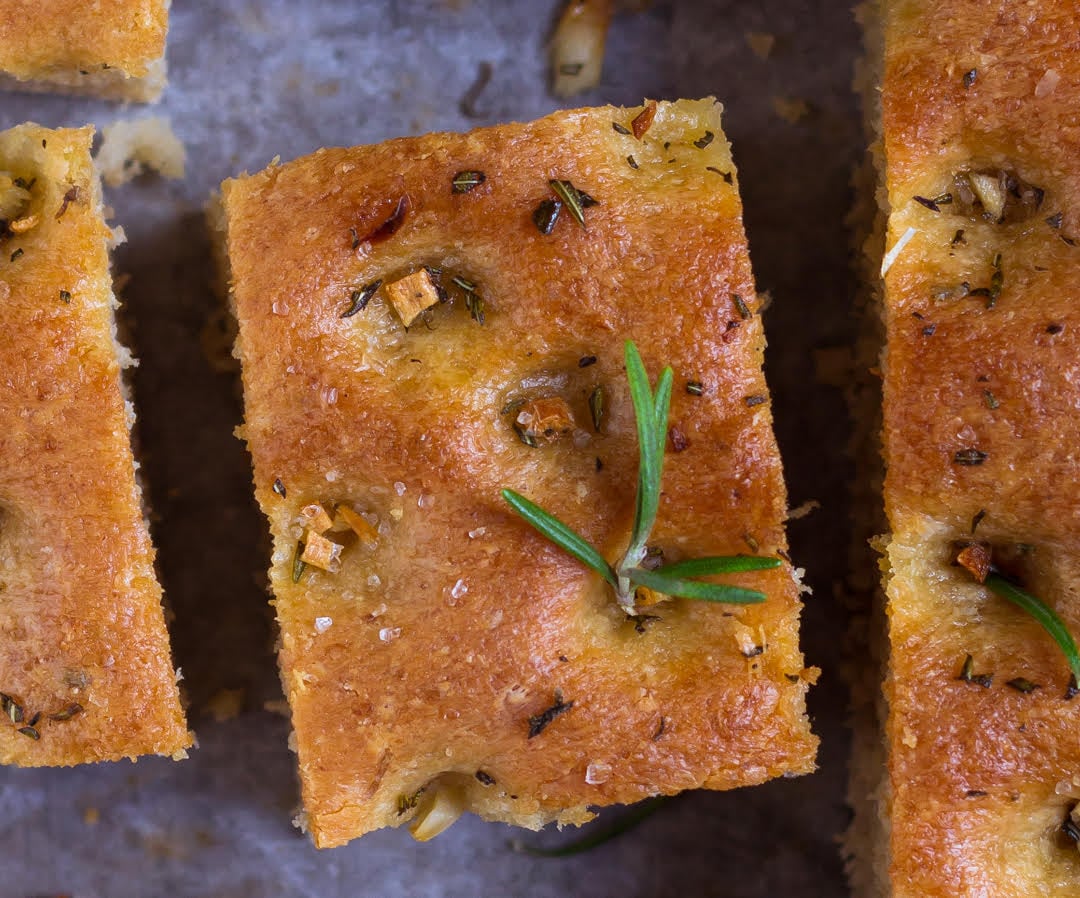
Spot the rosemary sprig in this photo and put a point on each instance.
(1042, 612)
(651, 412)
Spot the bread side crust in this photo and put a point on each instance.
(114, 49)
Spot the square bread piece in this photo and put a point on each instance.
(981, 428)
(442, 648)
(85, 673)
(107, 48)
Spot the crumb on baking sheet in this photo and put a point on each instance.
(761, 42)
(131, 147)
(791, 109)
(225, 704)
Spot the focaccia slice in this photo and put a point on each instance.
(85, 672)
(108, 48)
(419, 329)
(981, 425)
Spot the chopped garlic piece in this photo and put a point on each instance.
(440, 807)
(314, 518)
(322, 553)
(544, 420)
(21, 225)
(358, 525)
(412, 295)
(990, 192)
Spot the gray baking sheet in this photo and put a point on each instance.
(252, 79)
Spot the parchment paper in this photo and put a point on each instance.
(251, 79)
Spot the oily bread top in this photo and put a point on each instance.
(80, 608)
(427, 656)
(981, 423)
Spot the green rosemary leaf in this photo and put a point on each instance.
(661, 405)
(650, 446)
(694, 589)
(556, 531)
(719, 564)
(1043, 613)
(599, 834)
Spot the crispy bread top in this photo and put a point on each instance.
(81, 619)
(982, 423)
(425, 657)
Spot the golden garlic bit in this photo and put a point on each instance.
(412, 295)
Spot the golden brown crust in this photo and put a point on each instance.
(473, 622)
(110, 48)
(981, 416)
(81, 621)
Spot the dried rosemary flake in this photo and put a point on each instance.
(1022, 684)
(11, 708)
(485, 779)
(632, 162)
(359, 299)
(572, 198)
(968, 675)
(355, 238)
(298, 565)
(740, 306)
(958, 238)
(17, 253)
(539, 722)
(406, 803)
(545, 215)
(726, 175)
(933, 204)
(969, 77)
(695, 388)
(68, 712)
(1054, 329)
(990, 399)
(977, 519)
(464, 181)
(279, 488)
(30, 732)
(970, 457)
(660, 730)
(586, 360)
(704, 140)
(596, 407)
(1072, 690)
(65, 297)
(758, 399)
(620, 129)
(70, 197)
(997, 282)
(1055, 220)
(643, 121)
(474, 302)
